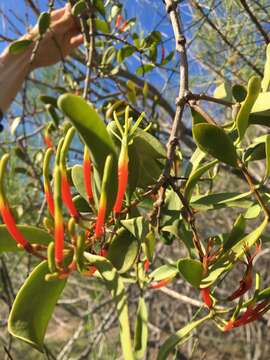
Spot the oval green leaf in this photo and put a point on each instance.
(214, 141)
(123, 250)
(19, 46)
(191, 270)
(95, 135)
(253, 90)
(115, 285)
(164, 272)
(33, 234)
(141, 330)
(44, 21)
(33, 307)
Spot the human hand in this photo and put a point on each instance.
(62, 37)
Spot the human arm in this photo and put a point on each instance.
(58, 42)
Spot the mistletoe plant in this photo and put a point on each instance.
(105, 215)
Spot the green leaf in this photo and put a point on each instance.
(44, 21)
(214, 141)
(164, 272)
(221, 200)
(98, 4)
(253, 212)
(81, 204)
(15, 123)
(95, 135)
(48, 100)
(137, 226)
(266, 75)
(168, 58)
(191, 270)
(237, 232)
(197, 118)
(149, 145)
(79, 8)
(123, 250)
(33, 234)
(102, 26)
(261, 105)
(143, 69)
(141, 330)
(78, 180)
(253, 90)
(33, 307)
(180, 335)
(19, 46)
(195, 176)
(194, 162)
(255, 152)
(239, 92)
(223, 91)
(115, 285)
(108, 56)
(115, 10)
(149, 245)
(267, 153)
(125, 52)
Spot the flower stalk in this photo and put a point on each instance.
(87, 174)
(46, 181)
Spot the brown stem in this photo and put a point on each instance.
(189, 217)
(202, 112)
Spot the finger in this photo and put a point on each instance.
(76, 41)
(64, 24)
(63, 20)
(57, 14)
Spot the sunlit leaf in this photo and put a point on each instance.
(33, 234)
(33, 307)
(214, 141)
(19, 46)
(176, 338)
(141, 330)
(191, 270)
(115, 285)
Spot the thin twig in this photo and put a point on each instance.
(255, 21)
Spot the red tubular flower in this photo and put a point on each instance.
(161, 283)
(162, 54)
(103, 252)
(251, 314)
(99, 229)
(146, 265)
(246, 282)
(123, 27)
(66, 194)
(118, 21)
(6, 213)
(87, 174)
(11, 226)
(59, 239)
(102, 208)
(49, 200)
(58, 219)
(48, 141)
(205, 294)
(122, 178)
(46, 181)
